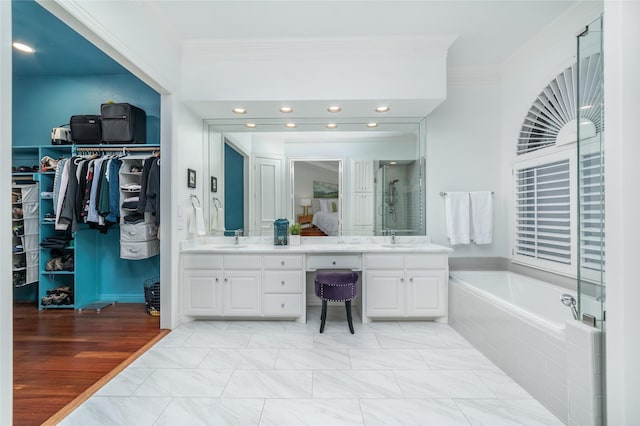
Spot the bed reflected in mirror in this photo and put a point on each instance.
(316, 186)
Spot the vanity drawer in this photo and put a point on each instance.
(334, 261)
(284, 305)
(427, 261)
(242, 261)
(282, 262)
(282, 281)
(384, 261)
(202, 261)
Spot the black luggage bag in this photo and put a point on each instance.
(86, 129)
(123, 123)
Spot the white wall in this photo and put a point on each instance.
(622, 89)
(189, 152)
(6, 290)
(463, 154)
(306, 69)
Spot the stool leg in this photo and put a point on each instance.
(323, 315)
(347, 305)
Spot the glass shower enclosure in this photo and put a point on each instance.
(591, 184)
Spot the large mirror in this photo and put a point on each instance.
(334, 183)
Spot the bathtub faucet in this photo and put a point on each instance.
(570, 301)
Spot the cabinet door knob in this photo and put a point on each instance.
(217, 279)
(334, 262)
(281, 282)
(282, 263)
(411, 280)
(226, 280)
(282, 305)
(401, 280)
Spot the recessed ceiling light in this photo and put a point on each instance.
(23, 47)
(290, 125)
(250, 125)
(331, 125)
(372, 125)
(239, 111)
(334, 108)
(382, 109)
(286, 109)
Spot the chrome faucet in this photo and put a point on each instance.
(236, 236)
(393, 236)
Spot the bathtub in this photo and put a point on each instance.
(536, 300)
(518, 323)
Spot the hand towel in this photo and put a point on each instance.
(457, 217)
(481, 217)
(217, 219)
(199, 221)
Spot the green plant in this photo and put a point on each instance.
(295, 228)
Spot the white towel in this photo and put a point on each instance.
(199, 220)
(217, 219)
(481, 217)
(457, 217)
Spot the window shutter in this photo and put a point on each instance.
(543, 212)
(592, 212)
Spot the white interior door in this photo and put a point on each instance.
(267, 192)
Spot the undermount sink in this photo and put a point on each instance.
(398, 245)
(231, 246)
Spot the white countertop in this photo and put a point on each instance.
(313, 245)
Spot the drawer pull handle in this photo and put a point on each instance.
(226, 280)
(282, 305)
(411, 280)
(334, 262)
(401, 280)
(281, 282)
(282, 263)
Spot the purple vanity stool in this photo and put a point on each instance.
(337, 287)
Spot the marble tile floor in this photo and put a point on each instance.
(286, 373)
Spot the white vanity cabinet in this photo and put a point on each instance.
(244, 285)
(202, 278)
(222, 285)
(406, 285)
(283, 282)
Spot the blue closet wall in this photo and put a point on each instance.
(43, 102)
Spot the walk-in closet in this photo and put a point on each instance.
(86, 276)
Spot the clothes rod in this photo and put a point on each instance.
(442, 194)
(117, 149)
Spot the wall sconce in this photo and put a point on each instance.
(305, 203)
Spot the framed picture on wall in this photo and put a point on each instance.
(191, 178)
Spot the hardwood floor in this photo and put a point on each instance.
(59, 353)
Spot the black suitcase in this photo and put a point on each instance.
(86, 129)
(123, 123)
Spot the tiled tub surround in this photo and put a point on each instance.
(287, 373)
(530, 343)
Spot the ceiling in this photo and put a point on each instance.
(487, 33)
